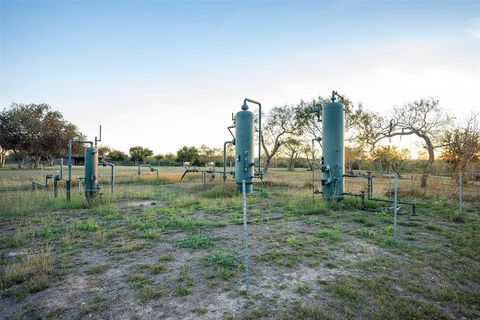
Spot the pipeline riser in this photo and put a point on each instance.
(244, 152)
(91, 172)
(333, 150)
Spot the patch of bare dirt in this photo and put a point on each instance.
(124, 204)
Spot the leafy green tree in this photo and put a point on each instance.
(352, 154)
(170, 156)
(292, 150)
(208, 154)
(139, 153)
(189, 154)
(462, 145)
(390, 157)
(104, 151)
(117, 155)
(36, 131)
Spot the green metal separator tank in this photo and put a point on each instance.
(244, 148)
(91, 172)
(333, 149)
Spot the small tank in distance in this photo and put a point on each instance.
(91, 172)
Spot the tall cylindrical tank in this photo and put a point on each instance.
(91, 172)
(244, 148)
(333, 150)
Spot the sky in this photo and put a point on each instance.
(166, 74)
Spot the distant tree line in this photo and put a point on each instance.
(195, 155)
(291, 137)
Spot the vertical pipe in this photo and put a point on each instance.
(259, 132)
(395, 208)
(224, 161)
(260, 140)
(460, 180)
(245, 233)
(55, 187)
(313, 170)
(369, 185)
(61, 168)
(69, 181)
(112, 178)
(225, 158)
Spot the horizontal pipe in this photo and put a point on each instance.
(398, 202)
(197, 170)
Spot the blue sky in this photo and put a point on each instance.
(167, 74)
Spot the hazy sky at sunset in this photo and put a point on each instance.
(167, 74)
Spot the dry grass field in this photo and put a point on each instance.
(165, 249)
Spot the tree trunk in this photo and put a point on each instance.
(20, 162)
(396, 170)
(269, 156)
(291, 165)
(309, 163)
(266, 164)
(36, 162)
(431, 158)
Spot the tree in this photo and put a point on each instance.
(117, 155)
(423, 118)
(104, 151)
(462, 145)
(281, 126)
(292, 150)
(189, 154)
(3, 153)
(306, 117)
(208, 154)
(390, 157)
(170, 156)
(139, 153)
(422, 155)
(352, 154)
(311, 154)
(35, 131)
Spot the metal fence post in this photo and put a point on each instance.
(460, 180)
(395, 208)
(245, 234)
